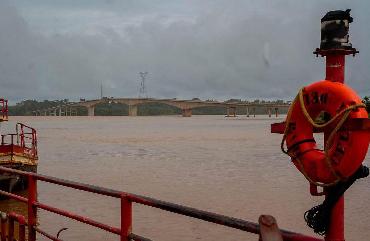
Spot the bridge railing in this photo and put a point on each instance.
(126, 199)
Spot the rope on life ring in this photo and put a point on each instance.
(344, 113)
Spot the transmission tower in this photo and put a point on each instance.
(101, 90)
(142, 91)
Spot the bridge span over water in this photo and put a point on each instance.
(186, 106)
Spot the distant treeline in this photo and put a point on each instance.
(366, 101)
(27, 107)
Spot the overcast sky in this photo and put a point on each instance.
(219, 49)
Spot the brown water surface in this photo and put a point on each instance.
(231, 166)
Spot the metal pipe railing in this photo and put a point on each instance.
(8, 226)
(46, 235)
(4, 109)
(25, 138)
(125, 231)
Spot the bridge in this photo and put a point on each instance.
(186, 106)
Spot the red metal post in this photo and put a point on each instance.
(126, 218)
(6, 109)
(336, 229)
(3, 226)
(32, 209)
(335, 65)
(10, 229)
(22, 232)
(21, 228)
(21, 224)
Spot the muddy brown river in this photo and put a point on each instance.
(232, 166)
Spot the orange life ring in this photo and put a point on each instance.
(325, 105)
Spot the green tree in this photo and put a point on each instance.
(366, 101)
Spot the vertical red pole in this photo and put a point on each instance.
(126, 218)
(335, 64)
(10, 229)
(6, 109)
(336, 229)
(3, 226)
(22, 231)
(32, 209)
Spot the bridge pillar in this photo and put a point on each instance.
(247, 111)
(276, 112)
(254, 111)
(269, 110)
(132, 110)
(231, 111)
(54, 112)
(187, 112)
(60, 111)
(90, 111)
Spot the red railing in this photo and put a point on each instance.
(25, 139)
(125, 230)
(3, 110)
(7, 226)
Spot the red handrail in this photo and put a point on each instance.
(127, 199)
(25, 138)
(7, 226)
(3, 109)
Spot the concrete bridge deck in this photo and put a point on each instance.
(185, 105)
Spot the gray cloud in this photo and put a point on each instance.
(207, 49)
